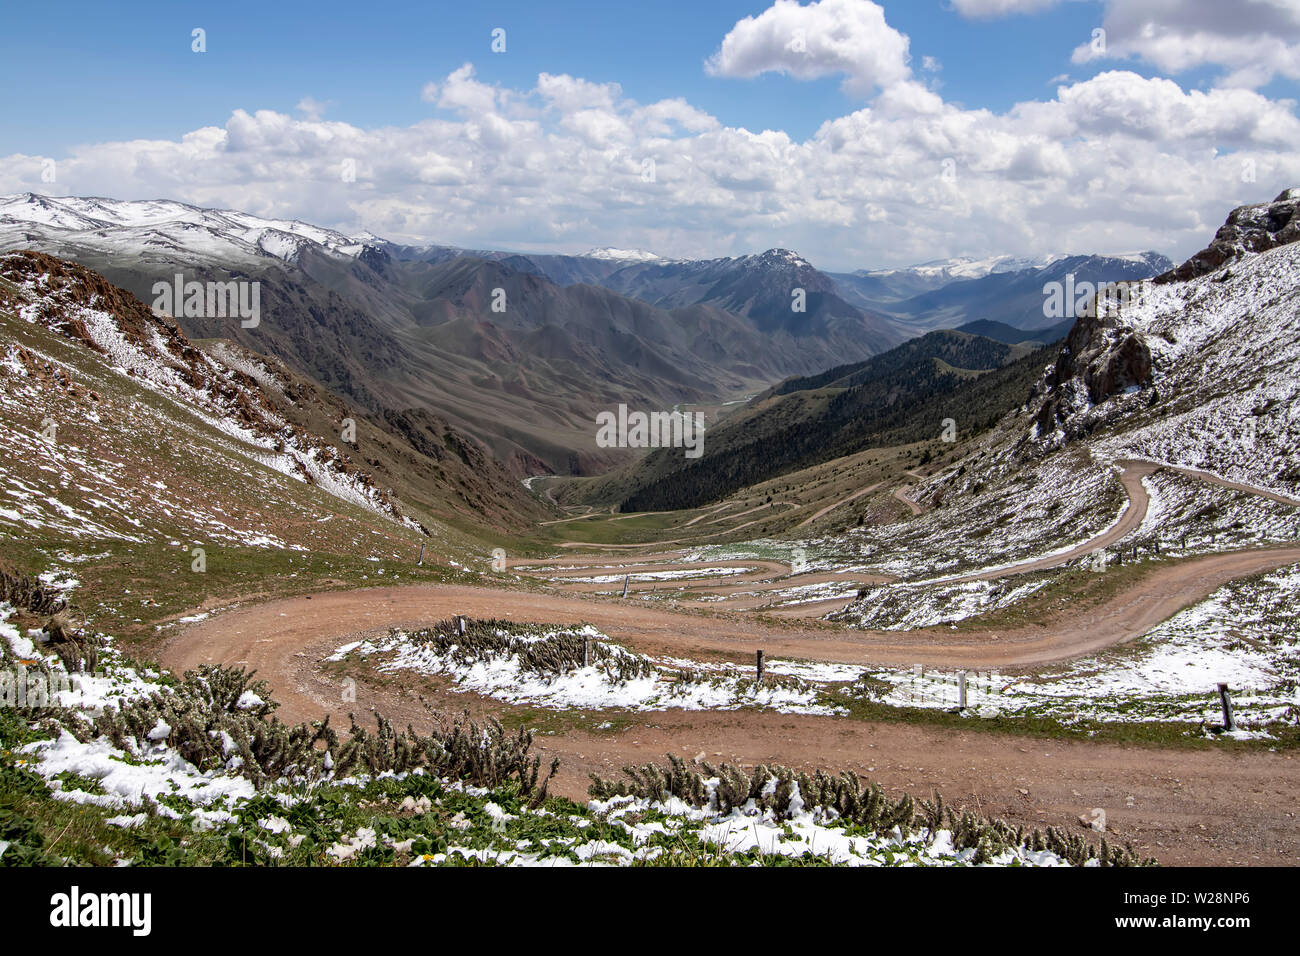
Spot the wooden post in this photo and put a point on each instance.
(1228, 723)
(961, 690)
(421, 558)
(460, 624)
(759, 666)
(586, 652)
(626, 579)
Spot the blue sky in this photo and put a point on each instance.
(128, 73)
(101, 76)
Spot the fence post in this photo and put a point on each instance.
(586, 652)
(626, 578)
(421, 558)
(1228, 723)
(460, 624)
(759, 666)
(961, 690)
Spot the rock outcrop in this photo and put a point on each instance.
(1256, 228)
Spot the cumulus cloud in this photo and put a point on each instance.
(1253, 39)
(1112, 163)
(825, 38)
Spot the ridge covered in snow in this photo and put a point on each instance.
(970, 267)
(623, 255)
(165, 228)
(1202, 373)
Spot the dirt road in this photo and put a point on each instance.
(1192, 807)
(1186, 806)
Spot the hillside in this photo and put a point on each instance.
(1200, 369)
(129, 446)
(902, 396)
(486, 341)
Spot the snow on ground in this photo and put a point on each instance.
(1246, 634)
(81, 485)
(903, 607)
(154, 778)
(635, 577)
(601, 685)
(1225, 350)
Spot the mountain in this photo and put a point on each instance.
(952, 293)
(778, 289)
(878, 288)
(162, 228)
(622, 255)
(249, 411)
(898, 397)
(1011, 335)
(397, 327)
(1200, 368)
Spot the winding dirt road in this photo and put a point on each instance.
(1193, 807)
(1188, 806)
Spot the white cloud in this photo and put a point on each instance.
(826, 38)
(1253, 39)
(312, 108)
(1115, 162)
(460, 91)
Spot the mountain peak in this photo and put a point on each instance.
(783, 256)
(1253, 228)
(622, 255)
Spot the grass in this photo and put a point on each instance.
(130, 589)
(1165, 735)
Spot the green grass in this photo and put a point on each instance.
(1165, 735)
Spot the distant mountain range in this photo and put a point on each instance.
(395, 327)
(398, 327)
(954, 292)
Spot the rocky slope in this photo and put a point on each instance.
(94, 381)
(1200, 368)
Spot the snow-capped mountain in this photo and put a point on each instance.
(1200, 368)
(622, 255)
(163, 229)
(943, 271)
(955, 292)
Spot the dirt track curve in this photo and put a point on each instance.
(1189, 806)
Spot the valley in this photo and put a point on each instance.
(1010, 572)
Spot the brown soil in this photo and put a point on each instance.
(1189, 806)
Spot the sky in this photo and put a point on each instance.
(861, 134)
